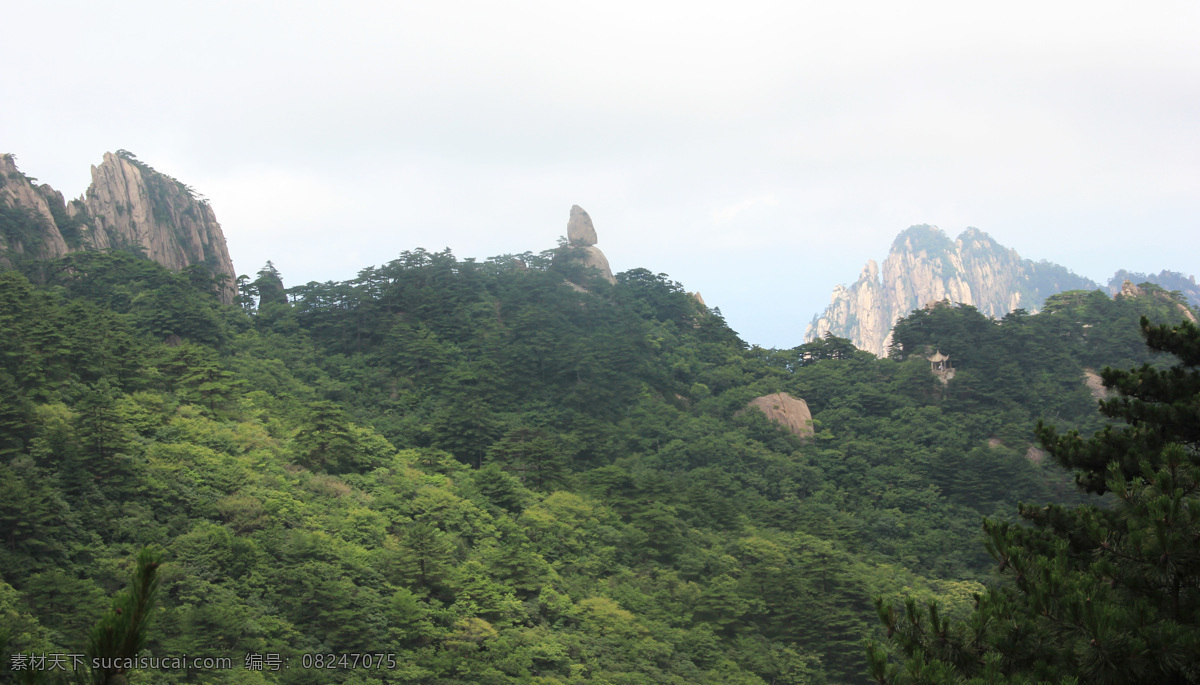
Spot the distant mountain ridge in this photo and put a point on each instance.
(1168, 280)
(128, 205)
(925, 266)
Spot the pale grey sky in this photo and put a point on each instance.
(757, 152)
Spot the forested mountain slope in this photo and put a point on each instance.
(1086, 594)
(498, 477)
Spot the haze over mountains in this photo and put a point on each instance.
(925, 266)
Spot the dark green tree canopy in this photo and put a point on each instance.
(1103, 594)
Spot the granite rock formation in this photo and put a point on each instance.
(581, 234)
(925, 266)
(789, 412)
(127, 205)
(580, 230)
(595, 259)
(29, 229)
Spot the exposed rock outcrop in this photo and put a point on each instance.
(1128, 289)
(1167, 280)
(925, 266)
(595, 259)
(580, 230)
(128, 205)
(1095, 384)
(1035, 454)
(790, 412)
(29, 228)
(582, 234)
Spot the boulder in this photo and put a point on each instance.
(790, 412)
(580, 231)
(1128, 289)
(581, 234)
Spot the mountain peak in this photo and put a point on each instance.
(925, 266)
(128, 205)
(922, 237)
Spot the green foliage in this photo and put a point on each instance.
(120, 634)
(500, 478)
(327, 441)
(923, 237)
(21, 231)
(533, 455)
(1159, 405)
(1091, 594)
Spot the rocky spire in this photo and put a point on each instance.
(580, 230)
(582, 234)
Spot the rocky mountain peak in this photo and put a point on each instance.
(127, 205)
(922, 238)
(925, 266)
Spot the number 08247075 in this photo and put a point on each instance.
(340, 661)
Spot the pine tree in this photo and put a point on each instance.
(104, 434)
(121, 634)
(532, 455)
(115, 640)
(1160, 407)
(425, 558)
(269, 286)
(1097, 595)
(464, 427)
(15, 426)
(326, 441)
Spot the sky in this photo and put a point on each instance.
(756, 152)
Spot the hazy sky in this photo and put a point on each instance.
(757, 152)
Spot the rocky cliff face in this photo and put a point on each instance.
(28, 228)
(925, 266)
(128, 205)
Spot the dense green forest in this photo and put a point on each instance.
(1095, 594)
(510, 471)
